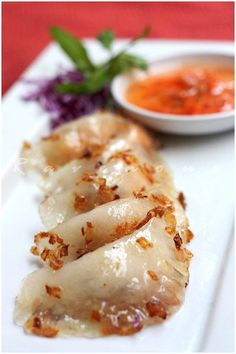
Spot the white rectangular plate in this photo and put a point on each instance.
(202, 167)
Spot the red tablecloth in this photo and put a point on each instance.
(25, 25)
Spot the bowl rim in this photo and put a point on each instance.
(168, 116)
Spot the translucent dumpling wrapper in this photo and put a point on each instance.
(114, 256)
(116, 289)
(78, 139)
(88, 231)
(123, 175)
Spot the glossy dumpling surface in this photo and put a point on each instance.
(113, 255)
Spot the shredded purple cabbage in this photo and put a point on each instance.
(65, 107)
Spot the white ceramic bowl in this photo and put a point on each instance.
(171, 123)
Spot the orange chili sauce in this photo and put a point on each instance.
(191, 90)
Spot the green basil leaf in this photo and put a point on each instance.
(106, 38)
(125, 62)
(146, 31)
(143, 34)
(92, 84)
(135, 61)
(96, 77)
(74, 48)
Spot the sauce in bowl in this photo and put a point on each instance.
(187, 91)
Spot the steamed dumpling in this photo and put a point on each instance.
(114, 255)
(88, 231)
(117, 289)
(121, 175)
(78, 139)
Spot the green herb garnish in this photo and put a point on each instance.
(96, 76)
(93, 83)
(74, 48)
(106, 38)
